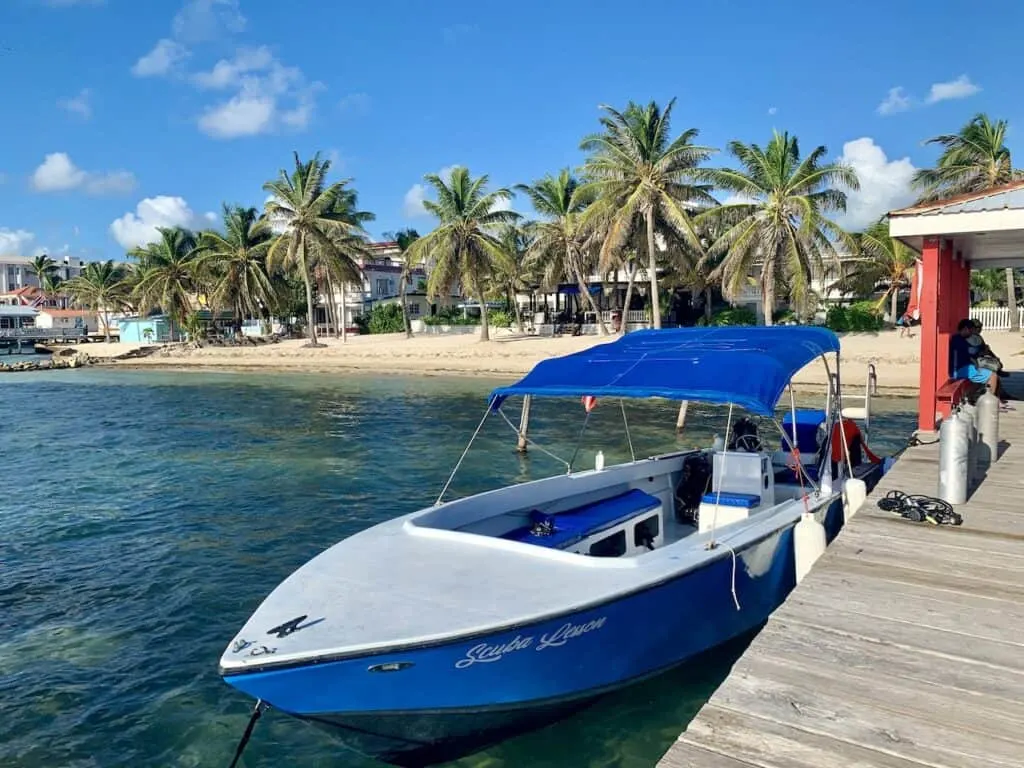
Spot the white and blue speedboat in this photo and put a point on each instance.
(441, 631)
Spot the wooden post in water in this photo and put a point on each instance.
(681, 418)
(524, 425)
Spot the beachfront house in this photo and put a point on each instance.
(72, 320)
(16, 271)
(145, 329)
(14, 317)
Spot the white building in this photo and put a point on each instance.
(16, 271)
(68, 319)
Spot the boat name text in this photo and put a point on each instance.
(485, 653)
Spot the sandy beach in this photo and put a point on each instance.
(895, 358)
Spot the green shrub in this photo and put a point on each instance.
(734, 316)
(499, 318)
(859, 317)
(785, 317)
(383, 318)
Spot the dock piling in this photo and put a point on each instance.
(524, 425)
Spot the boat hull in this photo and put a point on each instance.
(433, 703)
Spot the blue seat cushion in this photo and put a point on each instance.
(579, 523)
(724, 499)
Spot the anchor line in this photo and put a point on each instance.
(255, 716)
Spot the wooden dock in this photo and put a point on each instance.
(904, 646)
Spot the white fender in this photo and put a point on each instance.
(854, 493)
(808, 544)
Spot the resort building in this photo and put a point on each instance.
(16, 271)
(14, 317)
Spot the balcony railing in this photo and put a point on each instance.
(41, 333)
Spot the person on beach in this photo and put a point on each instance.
(962, 364)
(906, 323)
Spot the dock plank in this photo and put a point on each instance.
(904, 647)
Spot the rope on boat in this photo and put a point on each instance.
(579, 439)
(463, 456)
(530, 441)
(256, 712)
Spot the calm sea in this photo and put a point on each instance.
(144, 516)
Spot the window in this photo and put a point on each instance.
(382, 286)
(414, 309)
(645, 532)
(611, 546)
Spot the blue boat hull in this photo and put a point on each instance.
(435, 703)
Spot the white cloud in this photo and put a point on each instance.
(58, 173)
(200, 21)
(501, 205)
(268, 95)
(140, 227)
(412, 202)
(773, 110)
(884, 183)
(112, 183)
(14, 242)
(355, 103)
(960, 88)
(897, 100)
(80, 105)
(163, 59)
(228, 73)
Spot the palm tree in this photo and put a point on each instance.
(463, 247)
(635, 171)
(45, 270)
(510, 271)
(101, 286)
(404, 238)
(167, 274)
(303, 206)
(234, 263)
(558, 238)
(341, 264)
(779, 220)
(884, 260)
(987, 282)
(973, 160)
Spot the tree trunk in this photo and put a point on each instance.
(707, 304)
(106, 326)
(344, 304)
(1011, 301)
(330, 308)
(511, 297)
(624, 320)
(340, 312)
(485, 331)
(310, 316)
(653, 267)
(403, 282)
(892, 306)
(768, 300)
(581, 282)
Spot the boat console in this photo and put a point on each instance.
(741, 482)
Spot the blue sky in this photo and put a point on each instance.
(122, 115)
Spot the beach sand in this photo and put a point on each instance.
(895, 358)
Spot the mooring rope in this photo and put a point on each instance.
(463, 456)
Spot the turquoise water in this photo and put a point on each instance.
(145, 515)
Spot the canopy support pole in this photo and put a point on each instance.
(681, 418)
(579, 440)
(524, 425)
(625, 422)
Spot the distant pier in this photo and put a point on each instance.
(903, 648)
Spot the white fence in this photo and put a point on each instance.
(996, 318)
(633, 316)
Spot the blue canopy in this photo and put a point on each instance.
(749, 367)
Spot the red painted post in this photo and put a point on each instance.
(947, 316)
(929, 333)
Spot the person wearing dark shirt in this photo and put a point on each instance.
(961, 362)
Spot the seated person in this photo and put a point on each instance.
(905, 323)
(855, 443)
(962, 364)
(982, 353)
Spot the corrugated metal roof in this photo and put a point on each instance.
(1006, 197)
(1010, 200)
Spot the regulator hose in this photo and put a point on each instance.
(920, 509)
